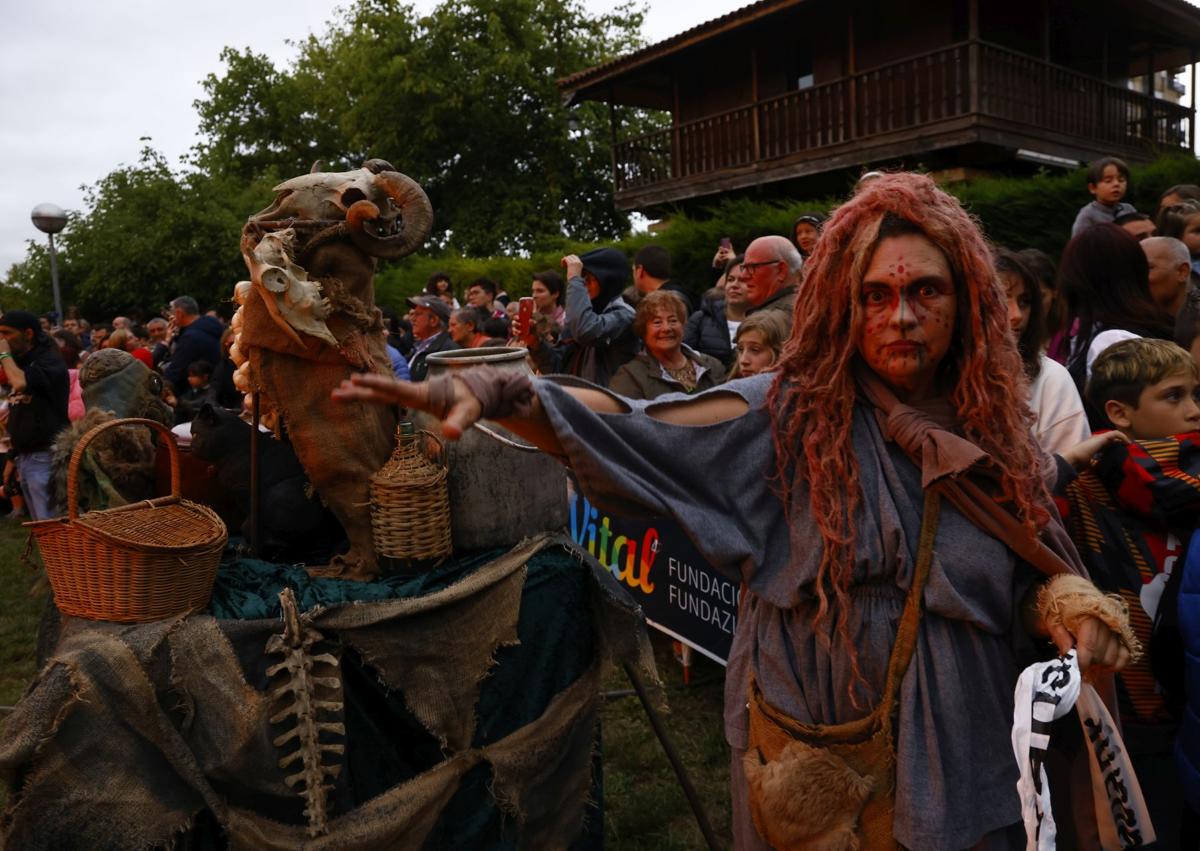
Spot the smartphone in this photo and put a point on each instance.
(726, 242)
(524, 316)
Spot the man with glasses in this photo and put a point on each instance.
(770, 272)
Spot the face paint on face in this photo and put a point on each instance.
(908, 315)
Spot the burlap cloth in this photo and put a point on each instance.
(470, 717)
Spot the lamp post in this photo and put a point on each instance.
(50, 219)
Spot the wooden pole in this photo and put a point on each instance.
(255, 417)
(668, 747)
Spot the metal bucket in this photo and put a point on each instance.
(501, 488)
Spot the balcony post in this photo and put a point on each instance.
(676, 150)
(973, 78)
(612, 136)
(852, 73)
(1192, 114)
(756, 140)
(1148, 117)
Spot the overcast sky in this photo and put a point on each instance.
(82, 81)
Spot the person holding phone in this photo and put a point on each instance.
(597, 337)
(549, 315)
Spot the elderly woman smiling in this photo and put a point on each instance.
(666, 366)
(884, 504)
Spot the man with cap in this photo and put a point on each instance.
(429, 316)
(37, 404)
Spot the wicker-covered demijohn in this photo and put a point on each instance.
(140, 562)
(410, 502)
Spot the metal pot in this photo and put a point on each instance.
(501, 488)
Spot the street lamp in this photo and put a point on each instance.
(50, 219)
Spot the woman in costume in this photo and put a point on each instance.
(896, 415)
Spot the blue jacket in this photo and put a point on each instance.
(1187, 744)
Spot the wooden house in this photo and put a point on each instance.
(783, 90)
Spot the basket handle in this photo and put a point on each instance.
(81, 446)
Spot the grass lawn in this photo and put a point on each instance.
(644, 806)
(22, 597)
(643, 803)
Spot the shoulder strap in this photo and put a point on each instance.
(910, 620)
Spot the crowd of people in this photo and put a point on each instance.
(1048, 420)
(876, 360)
(42, 391)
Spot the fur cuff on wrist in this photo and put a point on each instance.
(1067, 599)
(500, 393)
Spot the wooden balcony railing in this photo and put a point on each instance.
(915, 92)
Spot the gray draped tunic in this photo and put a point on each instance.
(956, 775)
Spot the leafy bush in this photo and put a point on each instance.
(1016, 212)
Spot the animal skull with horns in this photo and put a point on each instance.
(307, 320)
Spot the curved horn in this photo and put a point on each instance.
(416, 216)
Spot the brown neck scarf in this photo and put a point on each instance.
(965, 475)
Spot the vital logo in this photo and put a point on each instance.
(629, 561)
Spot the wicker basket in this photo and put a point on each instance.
(140, 562)
(410, 502)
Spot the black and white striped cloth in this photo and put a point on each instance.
(1046, 692)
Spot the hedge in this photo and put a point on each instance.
(1017, 212)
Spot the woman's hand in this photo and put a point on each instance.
(385, 390)
(1080, 455)
(1097, 648)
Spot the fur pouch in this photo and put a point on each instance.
(808, 798)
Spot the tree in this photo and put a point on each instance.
(149, 234)
(463, 100)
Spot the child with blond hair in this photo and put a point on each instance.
(758, 343)
(1131, 513)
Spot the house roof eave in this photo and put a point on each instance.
(573, 85)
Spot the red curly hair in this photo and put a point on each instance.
(812, 399)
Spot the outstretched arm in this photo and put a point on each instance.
(465, 408)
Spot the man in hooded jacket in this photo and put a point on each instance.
(598, 336)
